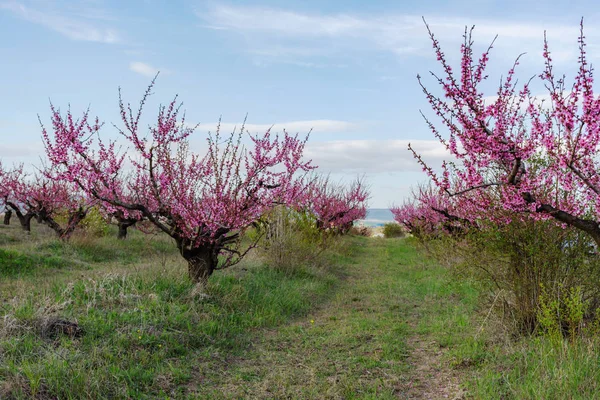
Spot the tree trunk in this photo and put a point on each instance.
(346, 227)
(122, 231)
(201, 263)
(24, 220)
(7, 215)
(64, 233)
(320, 224)
(123, 225)
(74, 220)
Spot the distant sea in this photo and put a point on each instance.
(376, 217)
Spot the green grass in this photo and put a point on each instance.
(14, 263)
(358, 345)
(39, 255)
(381, 321)
(137, 329)
(337, 332)
(538, 368)
(145, 333)
(494, 363)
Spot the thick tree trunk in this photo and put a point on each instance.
(24, 219)
(122, 231)
(74, 220)
(7, 215)
(26, 222)
(123, 225)
(201, 263)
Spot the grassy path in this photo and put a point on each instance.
(384, 335)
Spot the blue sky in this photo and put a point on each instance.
(344, 68)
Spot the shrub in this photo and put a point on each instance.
(538, 273)
(94, 223)
(392, 230)
(292, 239)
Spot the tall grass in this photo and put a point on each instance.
(540, 368)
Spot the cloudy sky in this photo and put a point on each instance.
(345, 69)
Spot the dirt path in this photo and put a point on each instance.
(431, 378)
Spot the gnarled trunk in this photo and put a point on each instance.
(7, 215)
(64, 233)
(24, 219)
(123, 224)
(202, 261)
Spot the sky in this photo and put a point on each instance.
(344, 69)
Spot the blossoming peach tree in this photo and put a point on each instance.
(203, 201)
(431, 212)
(46, 198)
(514, 151)
(17, 196)
(337, 206)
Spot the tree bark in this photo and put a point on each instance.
(123, 224)
(589, 226)
(24, 219)
(202, 261)
(64, 233)
(7, 215)
(26, 222)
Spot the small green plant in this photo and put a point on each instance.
(563, 313)
(392, 230)
(548, 315)
(575, 310)
(94, 223)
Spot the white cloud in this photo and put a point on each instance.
(373, 156)
(75, 28)
(283, 33)
(24, 150)
(143, 69)
(317, 126)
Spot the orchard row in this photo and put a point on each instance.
(205, 202)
